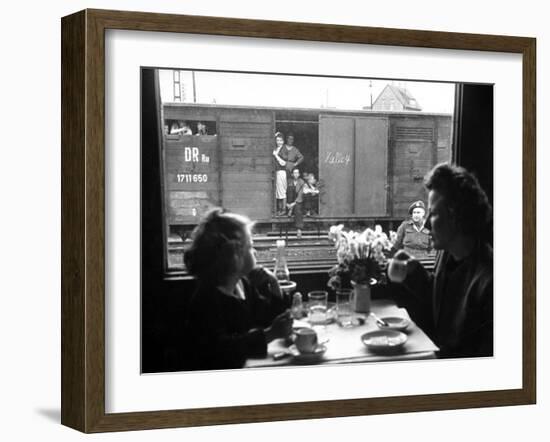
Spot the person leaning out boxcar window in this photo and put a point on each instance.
(180, 127)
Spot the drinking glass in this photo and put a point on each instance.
(317, 307)
(344, 310)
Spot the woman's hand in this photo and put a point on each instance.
(281, 327)
(265, 282)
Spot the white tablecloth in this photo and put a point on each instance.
(345, 346)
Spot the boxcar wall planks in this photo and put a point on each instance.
(369, 164)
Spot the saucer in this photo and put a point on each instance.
(394, 323)
(384, 341)
(310, 356)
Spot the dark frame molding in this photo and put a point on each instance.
(83, 217)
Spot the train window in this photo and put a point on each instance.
(360, 163)
(189, 127)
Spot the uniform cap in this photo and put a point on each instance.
(416, 205)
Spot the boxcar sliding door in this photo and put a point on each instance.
(336, 165)
(353, 166)
(414, 153)
(371, 166)
(246, 141)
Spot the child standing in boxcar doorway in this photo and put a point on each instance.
(311, 195)
(296, 199)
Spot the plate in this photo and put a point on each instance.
(384, 341)
(308, 357)
(394, 323)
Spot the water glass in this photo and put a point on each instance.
(317, 307)
(344, 308)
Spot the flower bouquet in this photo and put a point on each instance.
(361, 256)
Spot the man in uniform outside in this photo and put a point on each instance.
(412, 234)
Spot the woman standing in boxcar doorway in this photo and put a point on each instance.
(287, 158)
(280, 175)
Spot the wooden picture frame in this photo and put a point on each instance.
(83, 220)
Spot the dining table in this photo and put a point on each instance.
(344, 345)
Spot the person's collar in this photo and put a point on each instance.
(236, 292)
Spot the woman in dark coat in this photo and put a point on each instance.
(229, 318)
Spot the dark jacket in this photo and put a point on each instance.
(292, 156)
(295, 193)
(222, 331)
(454, 305)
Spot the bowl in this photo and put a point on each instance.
(384, 341)
(394, 323)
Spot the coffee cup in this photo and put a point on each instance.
(306, 340)
(397, 269)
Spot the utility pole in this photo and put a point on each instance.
(194, 87)
(177, 86)
(370, 88)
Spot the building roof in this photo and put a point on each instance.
(403, 96)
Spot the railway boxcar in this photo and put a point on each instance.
(370, 164)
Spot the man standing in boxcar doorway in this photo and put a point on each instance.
(291, 154)
(295, 200)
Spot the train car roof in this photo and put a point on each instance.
(305, 110)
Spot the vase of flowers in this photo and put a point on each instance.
(361, 257)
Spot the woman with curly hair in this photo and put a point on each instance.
(454, 304)
(237, 308)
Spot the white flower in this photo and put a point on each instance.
(351, 245)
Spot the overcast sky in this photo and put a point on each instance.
(299, 91)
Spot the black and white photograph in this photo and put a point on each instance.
(314, 220)
(275, 221)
